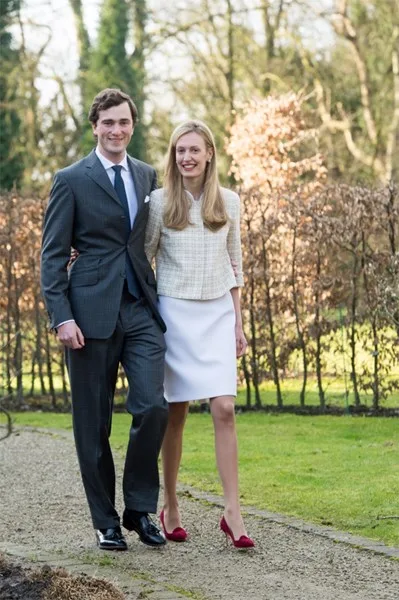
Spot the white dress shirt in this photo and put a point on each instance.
(127, 180)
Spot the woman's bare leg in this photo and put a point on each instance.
(171, 456)
(222, 409)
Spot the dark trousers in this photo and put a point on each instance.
(138, 344)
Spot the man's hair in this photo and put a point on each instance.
(108, 98)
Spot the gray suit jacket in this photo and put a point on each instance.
(85, 212)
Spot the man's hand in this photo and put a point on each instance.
(71, 336)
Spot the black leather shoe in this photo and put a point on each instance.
(111, 539)
(141, 523)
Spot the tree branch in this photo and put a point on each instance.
(344, 27)
(392, 131)
(344, 125)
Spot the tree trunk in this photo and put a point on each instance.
(230, 62)
(9, 336)
(18, 352)
(83, 48)
(32, 375)
(353, 308)
(392, 225)
(247, 376)
(140, 16)
(65, 395)
(254, 353)
(371, 308)
(50, 376)
(271, 29)
(39, 343)
(301, 337)
(270, 321)
(252, 317)
(38, 337)
(376, 366)
(392, 217)
(322, 398)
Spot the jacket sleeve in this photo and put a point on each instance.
(56, 248)
(234, 240)
(154, 226)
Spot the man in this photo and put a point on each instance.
(105, 313)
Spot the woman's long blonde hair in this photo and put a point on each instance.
(176, 215)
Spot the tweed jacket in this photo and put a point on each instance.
(194, 263)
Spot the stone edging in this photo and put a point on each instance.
(342, 537)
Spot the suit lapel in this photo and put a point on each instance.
(138, 180)
(98, 174)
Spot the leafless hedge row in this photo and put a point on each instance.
(321, 297)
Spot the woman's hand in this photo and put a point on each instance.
(234, 264)
(241, 342)
(73, 257)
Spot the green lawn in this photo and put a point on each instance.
(340, 471)
(334, 389)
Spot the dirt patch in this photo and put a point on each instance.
(23, 583)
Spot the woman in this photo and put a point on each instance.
(194, 233)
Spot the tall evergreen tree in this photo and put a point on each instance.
(84, 45)
(111, 66)
(11, 161)
(139, 20)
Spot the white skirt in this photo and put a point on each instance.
(200, 359)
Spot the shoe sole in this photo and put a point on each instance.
(112, 549)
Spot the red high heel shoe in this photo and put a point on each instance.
(177, 535)
(243, 542)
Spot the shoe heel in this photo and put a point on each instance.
(243, 542)
(179, 534)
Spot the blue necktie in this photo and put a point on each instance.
(132, 283)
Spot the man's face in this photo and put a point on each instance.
(114, 130)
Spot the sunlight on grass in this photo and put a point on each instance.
(334, 388)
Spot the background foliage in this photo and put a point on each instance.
(303, 99)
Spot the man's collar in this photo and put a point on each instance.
(107, 164)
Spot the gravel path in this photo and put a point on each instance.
(43, 517)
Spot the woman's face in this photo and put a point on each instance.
(192, 155)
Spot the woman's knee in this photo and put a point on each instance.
(223, 410)
(177, 414)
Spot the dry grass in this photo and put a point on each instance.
(53, 584)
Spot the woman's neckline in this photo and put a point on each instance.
(192, 196)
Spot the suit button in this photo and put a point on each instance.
(122, 274)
